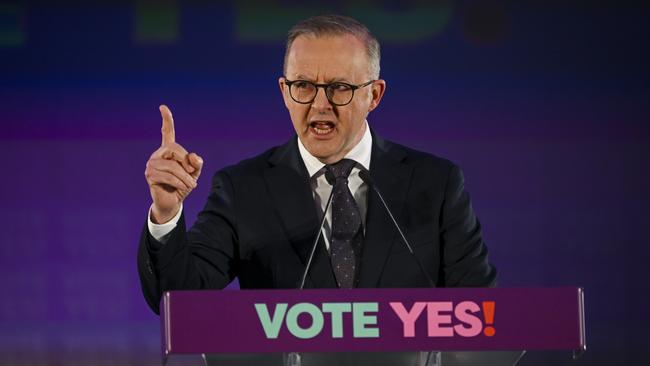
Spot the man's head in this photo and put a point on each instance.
(324, 50)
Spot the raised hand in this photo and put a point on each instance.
(171, 172)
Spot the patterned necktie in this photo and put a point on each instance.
(347, 233)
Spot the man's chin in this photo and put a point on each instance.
(323, 152)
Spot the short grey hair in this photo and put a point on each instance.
(336, 25)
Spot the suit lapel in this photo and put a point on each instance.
(391, 177)
(288, 185)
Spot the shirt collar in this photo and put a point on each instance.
(360, 153)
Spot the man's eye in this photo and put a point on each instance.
(337, 87)
(301, 84)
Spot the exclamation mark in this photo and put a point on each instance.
(488, 311)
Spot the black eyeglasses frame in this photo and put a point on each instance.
(325, 87)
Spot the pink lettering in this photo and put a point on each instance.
(408, 318)
(436, 319)
(471, 324)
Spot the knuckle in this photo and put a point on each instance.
(179, 150)
(166, 153)
(148, 173)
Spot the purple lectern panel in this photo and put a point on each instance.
(466, 319)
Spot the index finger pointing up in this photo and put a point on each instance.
(168, 134)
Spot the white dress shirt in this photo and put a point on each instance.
(320, 188)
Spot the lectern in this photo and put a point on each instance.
(414, 327)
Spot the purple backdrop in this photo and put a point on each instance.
(544, 107)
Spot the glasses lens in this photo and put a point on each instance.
(340, 94)
(302, 91)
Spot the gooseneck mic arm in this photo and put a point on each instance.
(331, 180)
(365, 176)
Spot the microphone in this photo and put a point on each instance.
(331, 180)
(365, 176)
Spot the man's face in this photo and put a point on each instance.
(329, 132)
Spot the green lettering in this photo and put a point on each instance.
(271, 325)
(361, 320)
(337, 309)
(316, 317)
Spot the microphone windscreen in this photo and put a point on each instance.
(365, 177)
(330, 177)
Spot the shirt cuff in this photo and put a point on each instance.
(160, 231)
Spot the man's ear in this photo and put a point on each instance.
(283, 90)
(377, 92)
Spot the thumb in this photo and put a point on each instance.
(197, 162)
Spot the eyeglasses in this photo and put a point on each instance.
(338, 93)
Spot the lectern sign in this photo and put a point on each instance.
(439, 318)
(372, 320)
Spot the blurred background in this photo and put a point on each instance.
(545, 106)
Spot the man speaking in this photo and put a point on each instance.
(321, 204)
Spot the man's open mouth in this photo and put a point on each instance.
(322, 127)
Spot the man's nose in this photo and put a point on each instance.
(320, 101)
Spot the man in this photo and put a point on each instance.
(263, 214)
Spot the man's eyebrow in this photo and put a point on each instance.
(303, 77)
(338, 80)
(330, 80)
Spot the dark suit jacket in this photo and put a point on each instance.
(260, 221)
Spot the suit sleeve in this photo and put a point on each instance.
(464, 254)
(203, 257)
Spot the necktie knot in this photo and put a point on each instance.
(341, 169)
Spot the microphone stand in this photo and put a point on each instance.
(365, 176)
(331, 181)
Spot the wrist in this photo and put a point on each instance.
(159, 216)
